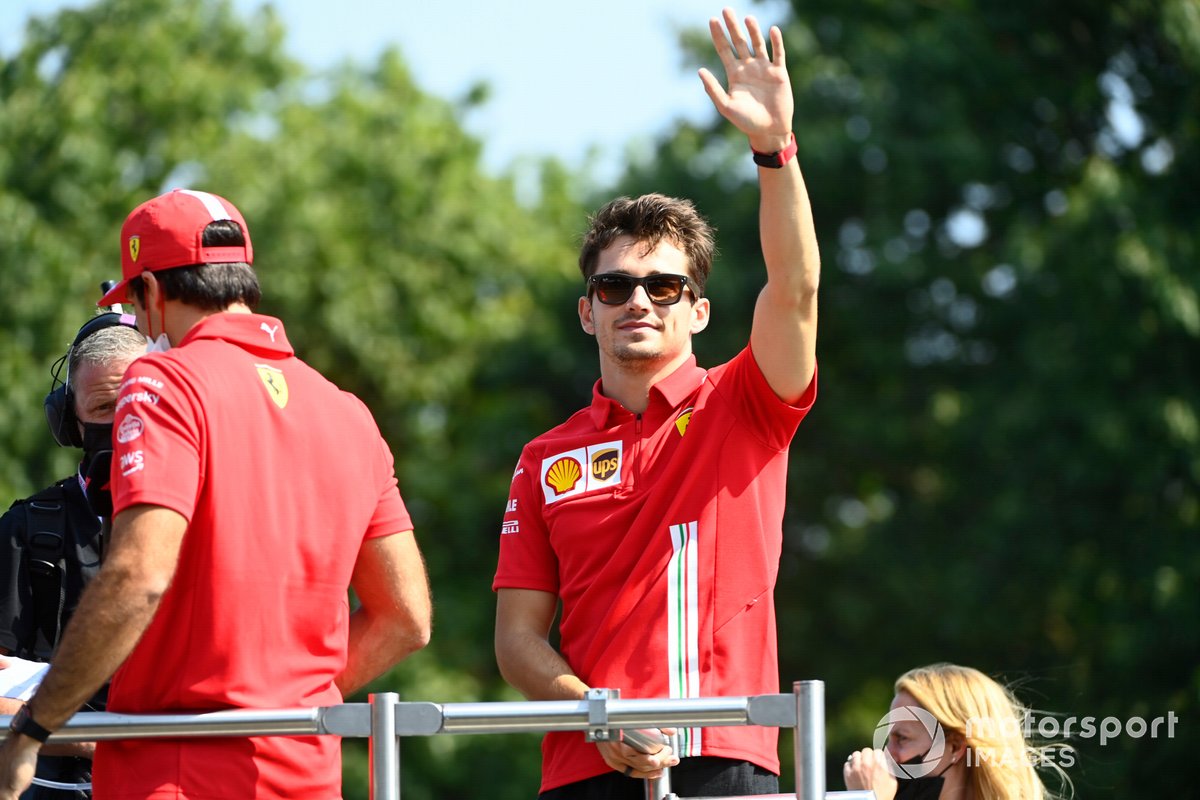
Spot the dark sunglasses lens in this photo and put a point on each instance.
(613, 289)
(664, 289)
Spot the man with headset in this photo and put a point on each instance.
(50, 543)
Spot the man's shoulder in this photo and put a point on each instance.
(578, 424)
(54, 493)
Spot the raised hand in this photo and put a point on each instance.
(758, 99)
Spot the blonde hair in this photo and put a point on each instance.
(999, 761)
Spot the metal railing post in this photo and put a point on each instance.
(385, 747)
(810, 739)
(660, 788)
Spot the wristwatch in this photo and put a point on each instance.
(24, 724)
(777, 159)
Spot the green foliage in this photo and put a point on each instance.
(1002, 467)
(86, 137)
(403, 272)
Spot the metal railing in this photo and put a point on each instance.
(385, 719)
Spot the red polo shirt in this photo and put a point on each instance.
(281, 477)
(661, 533)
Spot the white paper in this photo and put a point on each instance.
(19, 678)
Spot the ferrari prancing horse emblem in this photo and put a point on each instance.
(275, 382)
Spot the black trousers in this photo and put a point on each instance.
(698, 776)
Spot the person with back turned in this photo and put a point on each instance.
(248, 493)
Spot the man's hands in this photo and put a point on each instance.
(633, 762)
(18, 760)
(758, 100)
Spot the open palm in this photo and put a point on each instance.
(758, 99)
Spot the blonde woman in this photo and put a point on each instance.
(953, 733)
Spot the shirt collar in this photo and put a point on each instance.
(253, 332)
(671, 390)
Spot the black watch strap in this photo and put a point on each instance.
(777, 159)
(24, 724)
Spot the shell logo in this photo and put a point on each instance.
(563, 475)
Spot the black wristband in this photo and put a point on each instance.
(24, 724)
(777, 159)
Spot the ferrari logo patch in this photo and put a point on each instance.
(135, 247)
(681, 422)
(275, 382)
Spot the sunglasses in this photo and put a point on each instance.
(614, 288)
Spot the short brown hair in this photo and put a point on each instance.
(651, 219)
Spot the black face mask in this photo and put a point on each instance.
(97, 437)
(96, 464)
(927, 787)
(924, 788)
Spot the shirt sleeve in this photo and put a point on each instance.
(771, 420)
(391, 515)
(157, 431)
(527, 559)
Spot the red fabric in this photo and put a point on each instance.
(591, 516)
(280, 495)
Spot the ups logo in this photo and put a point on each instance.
(604, 464)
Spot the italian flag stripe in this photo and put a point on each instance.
(683, 644)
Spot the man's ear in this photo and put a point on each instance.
(585, 316)
(150, 288)
(701, 310)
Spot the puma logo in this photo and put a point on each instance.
(270, 331)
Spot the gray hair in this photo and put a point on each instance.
(114, 343)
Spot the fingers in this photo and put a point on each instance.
(716, 92)
(633, 764)
(741, 46)
(756, 38)
(721, 42)
(733, 44)
(777, 55)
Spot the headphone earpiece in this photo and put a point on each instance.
(60, 401)
(60, 416)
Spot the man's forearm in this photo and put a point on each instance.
(112, 614)
(789, 239)
(535, 669)
(376, 645)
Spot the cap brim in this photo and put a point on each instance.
(115, 295)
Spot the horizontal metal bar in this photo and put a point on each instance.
(856, 795)
(353, 720)
(572, 715)
(92, 726)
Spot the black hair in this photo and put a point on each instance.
(211, 287)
